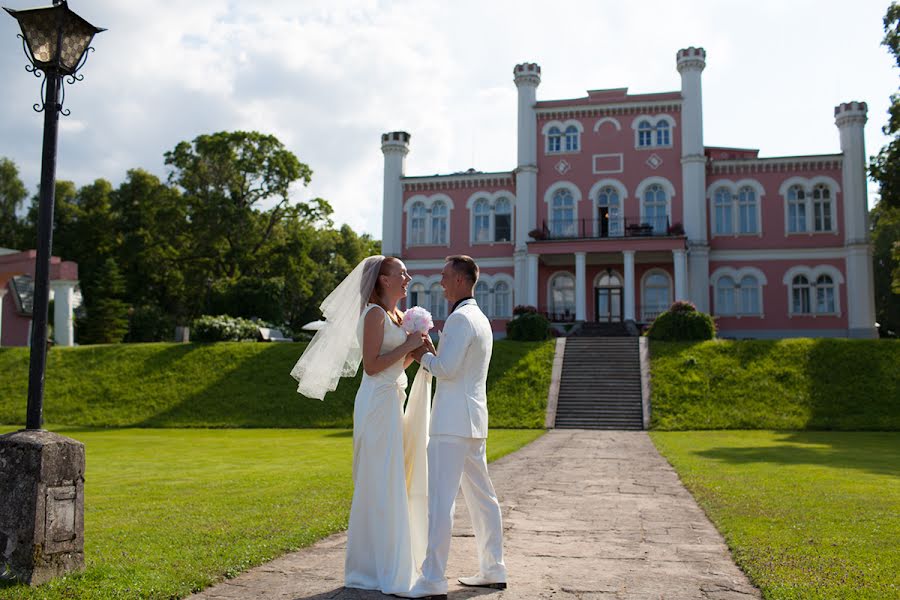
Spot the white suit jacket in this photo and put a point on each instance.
(461, 367)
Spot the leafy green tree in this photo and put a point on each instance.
(12, 194)
(107, 313)
(885, 222)
(885, 167)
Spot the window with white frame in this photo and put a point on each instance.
(723, 211)
(608, 198)
(562, 217)
(571, 138)
(481, 220)
(796, 198)
(800, 292)
(439, 223)
(662, 134)
(437, 305)
(417, 220)
(416, 295)
(657, 295)
(655, 211)
(562, 296)
(502, 300)
(741, 298)
(747, 208)
(825, 304)
(502, 220)
(645, 134)
(554, 140)
(821, 200)
(482, 296)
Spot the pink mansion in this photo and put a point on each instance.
(617, 208)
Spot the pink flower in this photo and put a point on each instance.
(417, 319)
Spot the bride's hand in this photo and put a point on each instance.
(429, 345)
(413, 342)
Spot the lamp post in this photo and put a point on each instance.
(42, 473)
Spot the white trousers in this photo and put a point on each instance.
(455, 462)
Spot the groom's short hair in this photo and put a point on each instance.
(465, 266)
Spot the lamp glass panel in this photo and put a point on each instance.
(39, 29)
(76, 37)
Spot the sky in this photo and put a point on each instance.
(328, 77)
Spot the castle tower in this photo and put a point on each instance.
(395, 147)
(691, 62)
(850, 119)
(527, 77)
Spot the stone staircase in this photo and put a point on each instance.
(600, 385)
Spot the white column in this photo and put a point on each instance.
(698, 277)
(690, 63)
(850, 119)
(2, 294)
(680, 261)
(395, 147)
(63, 324)
(628, 256)
(532, 280)
(580, 292)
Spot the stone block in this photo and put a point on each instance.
(41, 506)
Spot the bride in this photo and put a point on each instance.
(388, 531)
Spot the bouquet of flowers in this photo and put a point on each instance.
(417, 319)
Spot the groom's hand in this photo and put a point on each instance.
(418, 353)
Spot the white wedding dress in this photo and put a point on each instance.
(388, 530)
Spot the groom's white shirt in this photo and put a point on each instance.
(461, 364)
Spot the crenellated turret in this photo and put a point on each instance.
(395, 147)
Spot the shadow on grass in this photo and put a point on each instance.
(165, 358)
(340, 434)
(871, 452)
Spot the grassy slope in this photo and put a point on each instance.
(171, 511)
(231, 385)
(785, 384)
(808, 515)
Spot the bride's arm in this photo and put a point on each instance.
(373, 336)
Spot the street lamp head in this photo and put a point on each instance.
(55, 38)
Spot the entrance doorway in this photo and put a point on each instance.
(608, 298)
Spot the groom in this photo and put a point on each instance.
(458, 435)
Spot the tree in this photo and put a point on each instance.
(107, 314)
(12, 194)
(885, 222)
(885, 167)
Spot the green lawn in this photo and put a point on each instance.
(232, 385)
(807, 515)
(170, 511)
(796, 384)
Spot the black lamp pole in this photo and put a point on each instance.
(56, 42)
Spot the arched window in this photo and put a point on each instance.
(608, 199)
(725, 296)
(437, 305)
(724, 217)
(796, 209)
(655, 208)
(657, 296)
(482, 297)
(662, 134)
(825, 295)
(800, 295)
(747, 210)
(562, 297)
(645, 134)
(554, 140)
(502, 221)
(562, 218)
(821, 198)
(609, 280)
(417, 224)
(502, 303)
(416, 295)
(438, 223)
(571, 138)
(749, 296)
(481, 221)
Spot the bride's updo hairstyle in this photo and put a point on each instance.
(377, 295)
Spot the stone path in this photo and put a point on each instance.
(587, 515)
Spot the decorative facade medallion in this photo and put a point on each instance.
(654, 161)
(562, 167)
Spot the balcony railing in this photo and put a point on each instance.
(612, 227)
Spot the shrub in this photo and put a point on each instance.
(149, 323)
(223, 328)
(523, 309)
(682, 322)
(528, 327)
